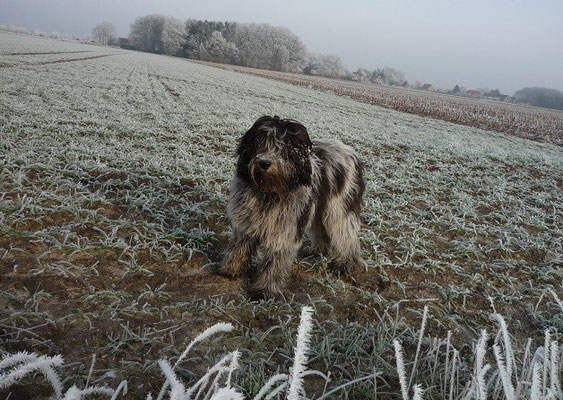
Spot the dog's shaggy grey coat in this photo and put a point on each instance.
(286, 186)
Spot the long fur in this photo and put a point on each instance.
(286, 187)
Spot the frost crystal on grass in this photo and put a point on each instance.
(227, 394)
(505, 377)
(480, 369)
(21, 364)
(417, 392)
(270, 384)
(217, 383)
(401, 369)
(214, 330)
(296, 390)
(535, 391)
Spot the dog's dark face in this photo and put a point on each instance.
(274, 155)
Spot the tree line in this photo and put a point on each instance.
(36, 32)
(248, 44)
(273, 48)
(253, 45)
(540, 97)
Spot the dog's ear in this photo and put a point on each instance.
(304, 175)
(250, 135)
(300, 141)
(261, 121)
(246, 148)
(298, 135)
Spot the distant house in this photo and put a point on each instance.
(428, 87)
(379, 80)
(497, 98)
(358, 77)
(474, 93)
(123, 42)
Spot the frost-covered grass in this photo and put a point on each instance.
(534, 123)
(114, 173)
(22, 50)
(502, 380)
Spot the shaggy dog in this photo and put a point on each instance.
(286, 185)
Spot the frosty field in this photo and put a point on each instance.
(114, 174)
(541, 124)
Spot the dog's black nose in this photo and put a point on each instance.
(263, 164)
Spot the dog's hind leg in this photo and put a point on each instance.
(317, 243)
(238, 256)
(272, 273)
(342, 227)
(318, 237)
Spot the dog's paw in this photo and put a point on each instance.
(228, 271)
(309, 251)
(259, 295)
(347, 271)
(304, 252)
(211, 268)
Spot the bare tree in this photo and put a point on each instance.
(218, 49)
(146, 33)
(392, 76)
(173, 35)
(104, 33)
(280, 58)
(540, 97)
(329, 65)
(269, 47)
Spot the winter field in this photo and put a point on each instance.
(114, 175)
(540, 124)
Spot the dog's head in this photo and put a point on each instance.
(275, 155)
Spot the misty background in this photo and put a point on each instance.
(502, 44)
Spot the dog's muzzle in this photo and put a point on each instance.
(267, 175)
(264, 165)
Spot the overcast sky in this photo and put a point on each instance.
(474, 43)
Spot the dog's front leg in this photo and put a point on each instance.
(238, 256)
(272, 273)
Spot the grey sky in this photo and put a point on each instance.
(475, 43)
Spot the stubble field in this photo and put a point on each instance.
(114, 175)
